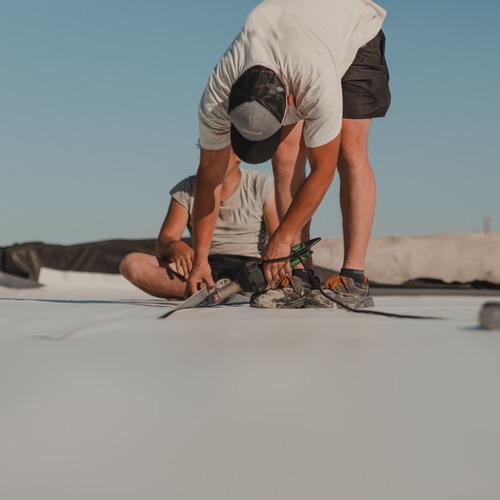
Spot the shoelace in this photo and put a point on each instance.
(283, 282)
(333, 283)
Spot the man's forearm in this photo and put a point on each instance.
(165, 248)
(163, 245)
(304, 205)
(323, 161)
(205, 212)
(204, 220)
(211, 172)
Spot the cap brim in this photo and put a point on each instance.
(254, 151)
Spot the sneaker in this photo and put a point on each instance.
(287, 293)
(344, 292)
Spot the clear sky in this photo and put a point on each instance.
(98, 115)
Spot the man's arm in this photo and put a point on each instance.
(323, 161)
(270, 214)
(169, 245)
(211, 173)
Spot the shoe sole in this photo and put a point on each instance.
(319, 301)
(295, 304)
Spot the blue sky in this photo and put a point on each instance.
(98, 115)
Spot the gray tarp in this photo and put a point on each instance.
(25, 260)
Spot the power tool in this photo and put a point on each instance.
(250, 278)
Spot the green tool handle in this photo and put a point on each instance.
(302, 251)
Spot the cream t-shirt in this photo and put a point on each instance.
(310, 44)
(240, 227)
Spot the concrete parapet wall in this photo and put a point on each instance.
(395, 260)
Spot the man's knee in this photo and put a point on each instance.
(355, 132)
(130, 265)
(284, 162)
(291, 154)
(354, 142)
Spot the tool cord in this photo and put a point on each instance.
(314, 281)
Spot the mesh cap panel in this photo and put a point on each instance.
(262, 85)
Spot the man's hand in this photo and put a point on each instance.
(200, 277)
(276, 249)
(181, 254)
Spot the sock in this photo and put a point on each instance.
(358, 275)
(304, 275)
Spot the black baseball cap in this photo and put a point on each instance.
(257, 106)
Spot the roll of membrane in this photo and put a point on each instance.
(489, 317)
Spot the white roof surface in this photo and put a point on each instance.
(102, 400)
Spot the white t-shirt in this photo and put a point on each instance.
(240, 227)
(310, 45)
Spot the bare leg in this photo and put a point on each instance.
(289, 167)
(150, 275)
(357, 191)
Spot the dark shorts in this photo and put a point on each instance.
(365, 85)
(226, 266)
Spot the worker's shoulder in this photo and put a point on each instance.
(260, 184)
(255, 177)
(185, 185)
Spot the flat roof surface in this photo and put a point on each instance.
(101, 399)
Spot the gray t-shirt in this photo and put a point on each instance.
(240, 227)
